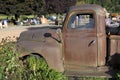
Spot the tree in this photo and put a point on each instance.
(37, 6)
(110, 5)
(18, 7)
(58, 6)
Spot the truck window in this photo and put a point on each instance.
(81, 21)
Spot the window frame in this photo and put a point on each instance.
(89, 12)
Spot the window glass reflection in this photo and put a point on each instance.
(83, 21)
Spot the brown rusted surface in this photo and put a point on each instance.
(93, 7)
(114, 50)
(77, 51)
(76, 75)
(75, 48)
(45, 42)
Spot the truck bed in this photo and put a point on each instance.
(113, 50)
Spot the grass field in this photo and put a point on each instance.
(2, 16)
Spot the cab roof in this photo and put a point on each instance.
(94, 7)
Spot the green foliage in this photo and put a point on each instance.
(41, 71)
(33, 68)
(59, 6)
(118, 76)
(24, 17)
(111, 5)
(21, 6)
(9, 61)
(38, 7)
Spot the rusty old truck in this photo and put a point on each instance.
(81, 46)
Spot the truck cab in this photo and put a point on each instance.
(81, 44)
(85, 37)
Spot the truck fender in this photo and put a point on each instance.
(51, 53)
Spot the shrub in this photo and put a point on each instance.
(9, 61)
(35, 68)
(40, 70)
(118, 76)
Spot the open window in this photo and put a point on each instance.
(81, 21)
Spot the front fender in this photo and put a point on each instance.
(52, 53)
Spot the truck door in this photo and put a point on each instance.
(80, 40)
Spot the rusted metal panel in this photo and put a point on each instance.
(45, 42)
(80, 47)
(77, 51)
(101, 36)
(114, 55)
(93, 7)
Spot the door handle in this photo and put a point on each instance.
(91, 43)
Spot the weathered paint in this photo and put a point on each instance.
(44, 42)
(114, 50)
(76, 50)
(77, 53)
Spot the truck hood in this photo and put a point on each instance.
(40, 34)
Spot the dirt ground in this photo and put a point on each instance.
(14, 31)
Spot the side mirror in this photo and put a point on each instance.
(47, 35)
